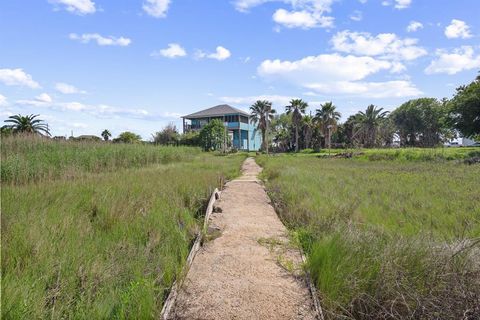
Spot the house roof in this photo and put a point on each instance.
(216, 111)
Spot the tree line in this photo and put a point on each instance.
(423, 122)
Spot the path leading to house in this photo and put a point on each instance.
(247, 270)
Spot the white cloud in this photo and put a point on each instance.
(101, 41)
(156, 8)
(80, 7)
(414, 26)
(220, 54)
(102, 111)
(249, 100)
(356, 16)
(17, 77)
(245, 60)
(458, 29)
(245, 5)
(174, 50)
(73, 106)
(388, 89)
(460, 59)
(294, 19)
(3, 101)
(384, 45)
(301, 19)
(43, 98)
(398, 4)
(66, 88)
(337, 74)
(303, 14)
(334, 67)
(402, 4)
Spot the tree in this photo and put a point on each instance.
(27, 124)
(128, 137)
(212, 136)
(421, 122)
(190, 138)
(327, 118)
(106, 134)
(308, 126)
(368, 122)
(386, 132)
(5, 131)
(168, 136)
(262, 113)
(282, 132)
(464, 109)
(297, 108)
(348, 133)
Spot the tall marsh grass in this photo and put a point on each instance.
(405, 154)
(103, 245)
(384, 239)
(31, 158)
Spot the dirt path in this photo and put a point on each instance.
(247, 270)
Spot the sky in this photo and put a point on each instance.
(137, 65)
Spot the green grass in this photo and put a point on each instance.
(403, 154)
(32, 159)
(379, 234)
(102, 245)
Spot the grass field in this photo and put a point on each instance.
(402, 154)
(384, 239)
(32, 159)
(106, 240)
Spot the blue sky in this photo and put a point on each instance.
(89, 65)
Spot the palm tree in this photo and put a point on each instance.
(297, 107)
(106, 134)
(27, 124)
(369, 121)
(327, 117)
(308, 124)
(262, 113)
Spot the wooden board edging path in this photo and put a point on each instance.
(172, 296)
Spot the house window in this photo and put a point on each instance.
(243, 119)
(231, 118)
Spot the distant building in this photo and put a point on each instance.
(468, 142)
(242, 133)
(462, 142)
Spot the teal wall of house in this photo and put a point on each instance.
(247, 138)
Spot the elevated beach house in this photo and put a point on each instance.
(241, 132)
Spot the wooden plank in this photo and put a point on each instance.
(172, 296)
(313, 291)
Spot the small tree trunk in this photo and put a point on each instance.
(263, 139)
(296, 138)
(266, 135)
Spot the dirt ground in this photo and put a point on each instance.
(247, 269)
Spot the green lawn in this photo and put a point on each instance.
(379, 234)
(403, 154)
(102, 245)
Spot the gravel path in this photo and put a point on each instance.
(247, 269)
